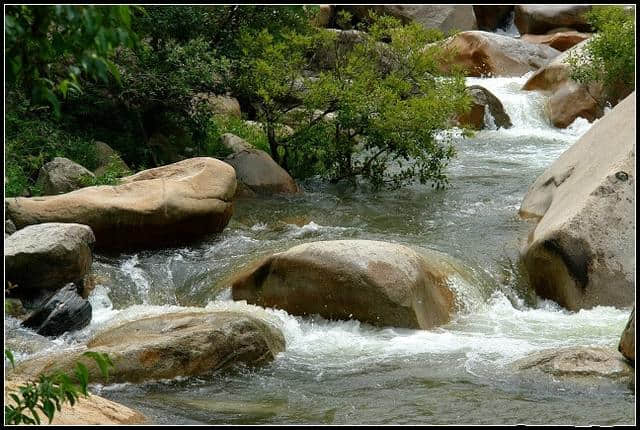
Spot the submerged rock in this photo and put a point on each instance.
(482, 53)
(581, 251)
(255, 169)
(627, 345)
(94, 410)
(64, 311)
(539, 19)
(156, 207)
(383, 284)
(62, 175)
(48, 256)
(579, 362)
(482, 100)
(171, 345)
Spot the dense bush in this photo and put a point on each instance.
(609, 57)
(374, 111)
(33, 138)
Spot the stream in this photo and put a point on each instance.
(347, 372)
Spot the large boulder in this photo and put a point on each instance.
(492, 17)
(92, 410)
(379, 283)
(64, 311)
(561, 40)
(483, 100)
(441, 17)
(568, 99)
(62, 175)
(108, 157)
(170, 345)
(627, 345)
(48, 256)
(581, 253)
(482, 53)
(539, 19)
(156, 207)
(578, 362)
(255, 169)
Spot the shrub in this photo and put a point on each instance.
(609, 56)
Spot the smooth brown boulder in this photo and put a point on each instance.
(482, 100)
(568, 99)
(581, 253)
(255, 169)
(62, 175)
(561, 41)
(170, 345)
(440, 17)
(93, 410)
(380, 283)
(627, 345)
(167, 205)
(539, 19)
(47, 256)
(579, 362)
(482, 53)
(571, 101)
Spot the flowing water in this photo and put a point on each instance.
(346, 372)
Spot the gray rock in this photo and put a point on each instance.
(539, 19)
(581, 252)
(62, 175)
(256, 169)
(627, 345)
(578, 363)
(65, 311)
(9, 227)
(106, 157)
(48, 256)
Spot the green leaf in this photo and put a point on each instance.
(9, 354)
(82, 373)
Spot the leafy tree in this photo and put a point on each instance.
(48, 49)
(609, 57)
(375, 112)
(50, 392)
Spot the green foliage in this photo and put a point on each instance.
(220, 124)
(33, 139)
(50, 49)
(609, 57)
(50, 392)
(374, 113)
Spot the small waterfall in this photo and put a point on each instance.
(527, 109)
